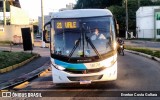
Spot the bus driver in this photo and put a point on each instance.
(97, 35)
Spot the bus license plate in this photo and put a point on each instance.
(85, 82)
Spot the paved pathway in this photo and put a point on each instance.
(144, 44)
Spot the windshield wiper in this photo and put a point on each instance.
(92, 45)
(74, 48)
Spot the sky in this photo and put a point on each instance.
(33, 7)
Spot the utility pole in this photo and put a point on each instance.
(126, 4)
(42, 16)
(139, 3)
(4, 11)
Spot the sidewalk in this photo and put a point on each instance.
(144, 44)
(22, 72)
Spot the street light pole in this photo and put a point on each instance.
(139, 3)
(4, 11)
(126, 4)
(42, 23)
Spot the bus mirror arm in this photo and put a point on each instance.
(109, 40)
(48, 23)
(116, 26)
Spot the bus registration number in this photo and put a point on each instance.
(85, 82)
(95, 65)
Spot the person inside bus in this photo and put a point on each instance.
(97, 35)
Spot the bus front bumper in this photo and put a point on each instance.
(108, 74)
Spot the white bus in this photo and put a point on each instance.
(83, 46)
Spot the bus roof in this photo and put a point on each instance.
(80, 13)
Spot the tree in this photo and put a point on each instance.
(132, 8)
(81, 4)
(118, 9)
(146, 3)
(156, 3)
(119, 14)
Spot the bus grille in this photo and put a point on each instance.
(87, 71)
(85, 78)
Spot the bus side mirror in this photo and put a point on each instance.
(116, 26)
(109, 40)
(117, 29)
(46, 36)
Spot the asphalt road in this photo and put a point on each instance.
(135, 73)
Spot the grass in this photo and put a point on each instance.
(11, 58)
(155, 53)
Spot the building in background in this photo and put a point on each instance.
(14, 14)
(33, 21)
(47, 18)
(148, 22)
(16, 19)
(9, 3)
(69, 6)
(18, 16)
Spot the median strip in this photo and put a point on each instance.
(152, 54)
(12, 60)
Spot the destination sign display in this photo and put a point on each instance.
(66, 24)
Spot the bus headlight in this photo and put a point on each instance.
(59, 67)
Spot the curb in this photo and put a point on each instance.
(10, 68)
(144, 55)
(25, 77)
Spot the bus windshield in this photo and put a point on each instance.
(83, 37)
